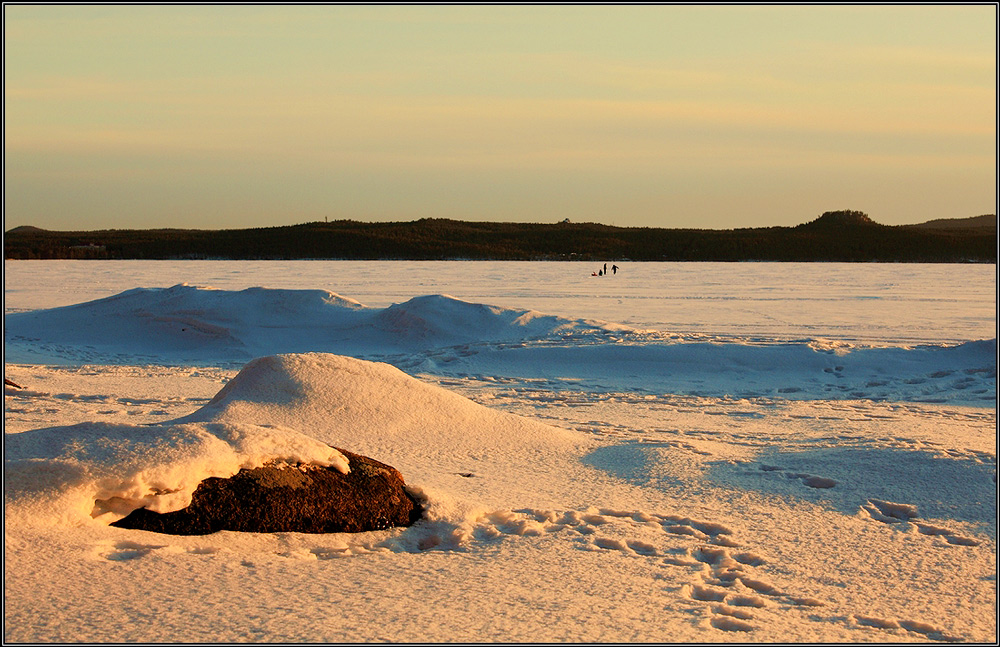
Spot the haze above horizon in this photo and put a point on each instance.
(668, 116)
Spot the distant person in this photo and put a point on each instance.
(605, 268)
(614, 268)
(600, 273)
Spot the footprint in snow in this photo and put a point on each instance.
(889, 512)
(123, 551)
(726, 580)
(725, 577)
(815, 482)
(897, 627)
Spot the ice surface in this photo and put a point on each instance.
(853, 302)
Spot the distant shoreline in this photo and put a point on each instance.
(493, 260)
(840, 236)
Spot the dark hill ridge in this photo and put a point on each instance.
(988, 221)
(26, 229)
(841, 219)
(834, 236)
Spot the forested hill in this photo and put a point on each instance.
(834, 236)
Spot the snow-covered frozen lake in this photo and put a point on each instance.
(679, 452)
(851, 301)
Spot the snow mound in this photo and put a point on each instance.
(375, 409)
(71, 474)
(186, 323)
(457, 455)
(444, 321)
(439, 440)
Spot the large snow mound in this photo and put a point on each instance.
(435, 437)
(187, 323)
(290, 408)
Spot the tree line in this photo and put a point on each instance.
(835, 236)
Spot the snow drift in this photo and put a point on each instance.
(441, 335)
(288, 408)
(97, 470)
(190, 324)
(961, 374)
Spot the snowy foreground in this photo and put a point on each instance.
(583, 481)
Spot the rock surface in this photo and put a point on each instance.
(309, 498)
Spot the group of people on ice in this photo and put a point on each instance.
(604, 272)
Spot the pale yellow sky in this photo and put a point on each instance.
(663, 116)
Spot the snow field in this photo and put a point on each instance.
(583, 481)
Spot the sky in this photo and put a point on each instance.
(708, 116)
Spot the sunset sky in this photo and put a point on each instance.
(217, 117)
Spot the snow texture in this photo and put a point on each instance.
(666, 479)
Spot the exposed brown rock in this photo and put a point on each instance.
(310, 498)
